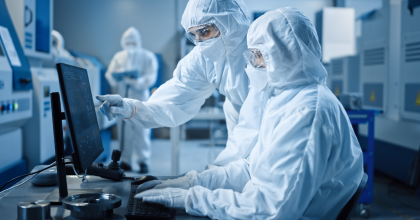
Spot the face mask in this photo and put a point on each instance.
(213, 49)
(258, 77)
(131, 49)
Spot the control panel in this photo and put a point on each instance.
(15, 106)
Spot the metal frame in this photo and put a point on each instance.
(366, 117)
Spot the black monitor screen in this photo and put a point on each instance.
(80, 115)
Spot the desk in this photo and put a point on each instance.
(28, 192)
(210, 114)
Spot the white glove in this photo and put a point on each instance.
(181, 182)
(169, 197)
(114, 106)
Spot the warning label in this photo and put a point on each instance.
(372, 96)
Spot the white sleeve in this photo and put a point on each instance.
(234, 176)
(231, 115)
(285, 175)
(179, 99)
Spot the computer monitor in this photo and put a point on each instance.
(80, 114)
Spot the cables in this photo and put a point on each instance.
(27, 179)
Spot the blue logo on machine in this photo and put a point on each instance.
(1, 84)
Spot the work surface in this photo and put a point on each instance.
(28, 192)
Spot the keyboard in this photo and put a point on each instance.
(137, 209)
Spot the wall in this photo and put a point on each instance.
(95, 27)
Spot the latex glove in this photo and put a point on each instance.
(181, 182)
(115, 106)
(169, 197)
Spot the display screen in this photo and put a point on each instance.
(80, 113)
(43, 26)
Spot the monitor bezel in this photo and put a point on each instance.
(76, 154)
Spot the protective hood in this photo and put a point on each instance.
(230, 16)
(131, 35)
(290, 47)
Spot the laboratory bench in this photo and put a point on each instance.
(29, 192)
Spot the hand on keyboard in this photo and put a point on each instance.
(169, 197)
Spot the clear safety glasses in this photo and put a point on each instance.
(254, 58)
(203, 32)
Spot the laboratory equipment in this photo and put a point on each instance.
(92, 205)
(80, 115)
(374, 59)
(15, 98)
(38, 138)
(137, 209)
(33, 22)
(81, 118)
(45, 178)
(335, 28)
(38, 210)
(344, 75)
(410, 63)
(112, 171)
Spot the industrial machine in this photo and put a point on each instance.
(410, 63)
(33, 22)
(15, 98)
(375, 59)
(343, 75)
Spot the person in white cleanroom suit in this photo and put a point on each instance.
(134, 57)
(307, 162)
(218, 28)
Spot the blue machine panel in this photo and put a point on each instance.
(43, 26)
(22, 78)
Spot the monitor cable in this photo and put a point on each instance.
(32, 175)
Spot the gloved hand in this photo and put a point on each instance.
(181, 182)
(169, 197)
(115, 106)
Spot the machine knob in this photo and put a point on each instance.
(116, 155)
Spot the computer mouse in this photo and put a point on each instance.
(143, 179)
(46, 178)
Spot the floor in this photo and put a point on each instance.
(392, 200)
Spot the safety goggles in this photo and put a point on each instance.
(254, 58)
(203, 32)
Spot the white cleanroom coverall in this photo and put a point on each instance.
(307, 162)
(134, 58)
(196, 76)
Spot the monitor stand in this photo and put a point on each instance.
(58, 194)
